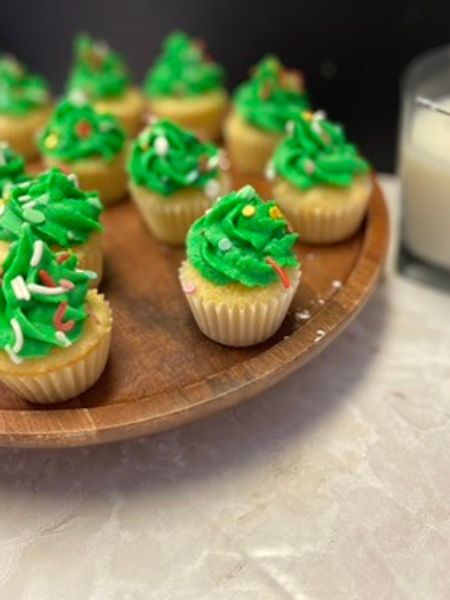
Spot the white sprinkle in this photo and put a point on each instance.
(290, 126)
(224, 162)
(225, 244)
(320, 115)
(213, 162)
(2, 208)
(35, 288)
(24, 185)
(270, 172)
(31, 204)
(321, 301)
(73, 178)
(25, 198)
(212, 189)
(18, 345)
(78, 97)
(89, 274)
(247, 192)
(161, 146)
(192, 176)
(316, 127)
(19, 288)
(302, 315)
(336, 284)
(62, 337)
(13, 356)
(319, 335)
(37, 253)
(65, 283)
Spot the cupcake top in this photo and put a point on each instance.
(12, 167)
(55, 209)
(20, 91)
(316, 152)
(42, 299)
(98, 71)
(242, 239)
(183, 69)
(76, 131)
(272, 97)
(166, 159)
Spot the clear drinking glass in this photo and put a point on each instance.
(424, 165)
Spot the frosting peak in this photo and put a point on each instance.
(77, 131)
(316, 152)
(12, 167)
(98, 71)
(20, 91)
(55, 209)
(166, 158)
(42, 300)
(183, 69)
(272, 96)
(242, 240)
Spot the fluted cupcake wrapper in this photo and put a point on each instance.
(242, 324)
(65, 383)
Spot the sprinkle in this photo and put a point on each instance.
(18, 345)
(279, 271)
(51, 141)
(46, 278)
(303, 315)
(270, 172)
(25, 198)
(65, 283)
(33, 216)
(83, 129)
(20, 288)
(249, 210)
(192, 176)
(319, 115)
(321, 301)
(308, 115)
(62, 257)
(2, 207)
(310, 167)
(89, 274)
(212, 189)
(78, 97)
(161, 146)
(189, 287)
(62, 337)
(24, 185)
(290, 127)
(43, 290)
(13, 356)
(224, 162)
(59, 316)
(336, 284)
(275, 213)
(319, 335)
(225, 244)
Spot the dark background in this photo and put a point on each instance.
(352, 53)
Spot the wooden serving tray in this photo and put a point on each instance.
(162, 371)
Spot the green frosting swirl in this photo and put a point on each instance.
(232, 242)
(272, 97)
(20, 91)
(98, 71)
(316, 152)
(57, 211)
(32, 323)
(183, 70)
(166, 158)
(12, 167)
(77, 131)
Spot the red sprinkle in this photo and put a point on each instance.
(59, 316)
(84, 129)
(279, 271)
(65, 283)
(65, 168)
(63, 257)
(46, 278)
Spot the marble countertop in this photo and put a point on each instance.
(335, 484)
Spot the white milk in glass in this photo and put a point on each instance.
(425, 166)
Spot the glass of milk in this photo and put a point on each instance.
(424, 160)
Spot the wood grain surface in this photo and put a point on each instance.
(163, 372)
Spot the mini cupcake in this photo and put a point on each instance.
(12, 167)
(54, 333)
(320, 181)
(174, 179)
(241, 271)
(80, 140)
(101, 75)
(59, 213)
(24, 106)
(185, 86)
(261, 108)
